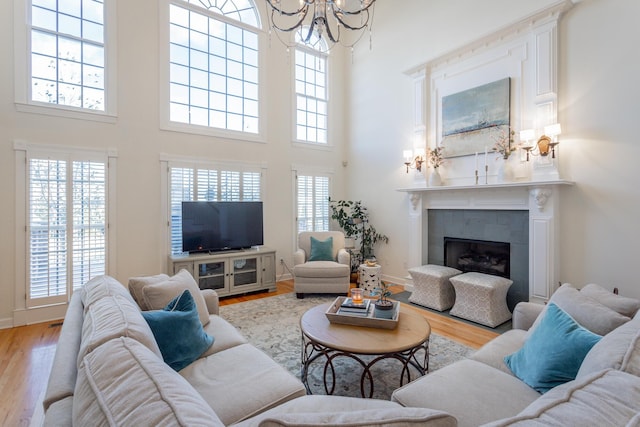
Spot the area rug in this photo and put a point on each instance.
(404, 297)
(273, 325)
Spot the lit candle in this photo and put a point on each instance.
(356, 295)
(476, 160)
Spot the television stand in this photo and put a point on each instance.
(230, 272)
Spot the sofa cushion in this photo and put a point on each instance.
(553, 352)
(226, 335)
(471, 391)
(586, 311)
(100, 287)
(136, 284)
(112, 317)
(242, 381)
(619, 349)
(606, 398)
(158, 294)
(178, 331)
(321, 269)
(321, 250)
(314, 410)
(494, 352)
(123, 383)
(623, 305)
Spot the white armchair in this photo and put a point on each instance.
(323, 276)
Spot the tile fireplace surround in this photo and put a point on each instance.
(539, 198)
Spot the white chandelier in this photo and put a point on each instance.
(321, 17)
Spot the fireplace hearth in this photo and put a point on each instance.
(478, 255)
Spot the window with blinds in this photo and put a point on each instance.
(194, 184)
(66, 225)
(312, 203)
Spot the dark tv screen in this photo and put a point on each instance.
(220, 226)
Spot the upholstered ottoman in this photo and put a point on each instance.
(431, 286)
(481, 298)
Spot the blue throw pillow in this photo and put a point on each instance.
(321, 250)
(553, 353)
(178, 331)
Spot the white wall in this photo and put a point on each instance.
(139, 143)
(598, 95)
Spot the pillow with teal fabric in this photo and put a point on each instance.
(552, 355)
(321, 250)
(178, 331)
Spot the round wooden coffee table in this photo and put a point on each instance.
(408, 343)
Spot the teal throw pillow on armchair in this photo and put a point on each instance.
(321, 250)
(178, 331)
(552, 355)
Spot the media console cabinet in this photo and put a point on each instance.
(230, 272)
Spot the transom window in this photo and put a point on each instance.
(213, 64)
(311, 90)
(68, 53)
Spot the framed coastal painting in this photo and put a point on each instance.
(470, 118)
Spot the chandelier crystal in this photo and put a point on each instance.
(323, 17)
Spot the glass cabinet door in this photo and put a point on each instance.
(245, 271)
(211, 275)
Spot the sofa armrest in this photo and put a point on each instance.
(212, 301)
(299, 257)
(344, 257)
(524, 314)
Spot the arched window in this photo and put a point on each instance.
(311, 89)
(213, 64)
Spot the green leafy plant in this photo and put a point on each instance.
(382, 292)
(353, 219)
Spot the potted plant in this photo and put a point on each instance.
(353, 219)
(383, 308)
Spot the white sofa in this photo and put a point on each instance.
(109, 370)
(482, 390)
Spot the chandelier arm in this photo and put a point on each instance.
(293, 27)
(338, 15)
(275, 8)
(348, 12)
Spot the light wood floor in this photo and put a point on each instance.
(26, 355)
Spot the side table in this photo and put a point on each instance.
(369, 277)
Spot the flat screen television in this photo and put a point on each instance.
(221, 226)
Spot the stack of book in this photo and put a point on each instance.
(349, 308)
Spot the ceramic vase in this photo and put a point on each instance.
(505, 170)
(434, 178)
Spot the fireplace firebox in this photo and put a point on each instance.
(478, 255)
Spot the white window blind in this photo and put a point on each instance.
(312, 203)
(66, 225)
(201, 183)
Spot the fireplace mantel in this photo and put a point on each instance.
(539, 198)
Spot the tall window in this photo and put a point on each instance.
(213, 64)
(66, 225)
(311, 91)
(68, 53)
(187, 183)
(312, 203)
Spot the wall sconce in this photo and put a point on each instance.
(546, 143)
(413, 162)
